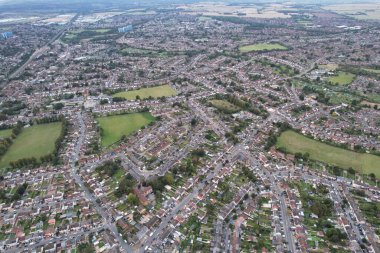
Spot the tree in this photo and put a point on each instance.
(138, 97)
(335, 235)
(85, 248)
(351, 171)
(132, 199)
(104, 101)
(120, 78)
(169, 178)
(58, 106)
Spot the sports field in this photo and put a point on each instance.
(262, 47)
(224, 106)
(5, 133)
(376, 71)
(294, 142)
(114, 127)
(154, 92)
(76, 35)
(34, 141)
(342, 78)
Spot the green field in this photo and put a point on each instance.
(102, 30)
(77, 35)
(5, 133)
(34, 141)
(262, 47)
(224, 106)
(342, 78)
(376, 71)
(294, 142)
(114, 127)
(154, 92)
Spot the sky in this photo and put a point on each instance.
(95, 5)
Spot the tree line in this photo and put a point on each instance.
(7, 142)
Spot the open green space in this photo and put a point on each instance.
(102, 30)
(224, 106)
(154, 92)
(376, 71)
(342, 78)
(329, 66)
(5, 133)
(262, 47)
(297, 143)
(114, 127)
(34, 141)
(278, 68)
(77, 35)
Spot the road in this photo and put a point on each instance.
(41, 50)
(75, 156)
(31, 246)
(167, 219)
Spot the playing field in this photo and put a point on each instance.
(114, 127)
(376, 71)
(5, 133)
(343, 78)
(224, 106)
(80, 34)
(154, 92)
(294, 142)
(34, 141)
(262, 47)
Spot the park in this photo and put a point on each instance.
(143, 93)
(294, 142)
(224, 106)
(34, 141)
(262, 47)
(342, 78)
(116, 126)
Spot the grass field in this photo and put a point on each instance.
(34, 141)
(262, 47)
(114, 127)
(294, 142)
(224, 106)
(330, 66)
(155, 92)
(342, 78)
(5, 133)
(376, 71)
(73, 36)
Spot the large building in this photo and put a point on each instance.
(6, 35)
(125, 29)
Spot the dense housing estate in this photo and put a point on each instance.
(203, 127)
